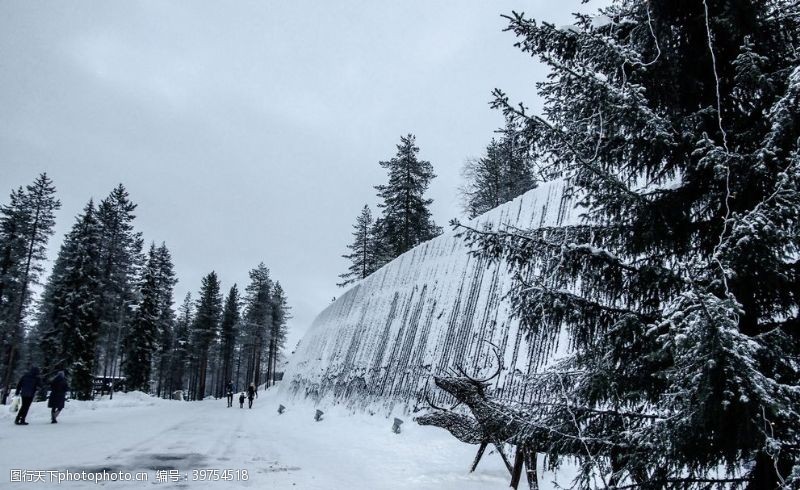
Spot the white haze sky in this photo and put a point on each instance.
(251, 131)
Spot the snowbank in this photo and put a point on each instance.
(39, 411)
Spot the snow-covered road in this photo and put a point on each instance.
(134, 433)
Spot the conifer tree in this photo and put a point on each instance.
(364, 257)
(122, 261)
(140, 341)
(205, 328)
(181, 347)
(230, 324)
(152, 321)
(166, 321)
(26, 225)
(257, 321)
(505, 172)
(75, 293)
(278, 331)
(677, 126)
(406, 218)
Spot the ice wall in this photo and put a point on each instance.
(426, 312)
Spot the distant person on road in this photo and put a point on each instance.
(241, 400)
(26, 388)
(58, 395)
(229, 393)
(251, 393)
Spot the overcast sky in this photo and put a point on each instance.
(251, 131)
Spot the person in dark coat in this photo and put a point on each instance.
(230, 391)
(251, 393)
(58, 395)
(26, 389)
(241, 400)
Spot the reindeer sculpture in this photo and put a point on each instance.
(491, 422)
(497, 422)
(464, 428)
(529, 431)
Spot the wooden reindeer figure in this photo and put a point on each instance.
(464, 428)
(498, 422)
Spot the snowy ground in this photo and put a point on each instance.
(136, 433)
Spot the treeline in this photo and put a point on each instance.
(503, 172)
(106, 309)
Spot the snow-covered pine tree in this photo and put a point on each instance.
(122, 261)
(12, 223)
(228, 335)
(503, 173)
(257, 319)
(139, 342)
(278, 330)
(181, 348)
(151, 325)
(205, 328)
(677, 125)
(166, 320)
(364, 256)
(26, 225)
(406, 218)
(75, 297)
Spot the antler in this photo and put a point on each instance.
(499, 366)
(432, 405)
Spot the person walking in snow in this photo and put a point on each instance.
(230, 393)
(26, 388)
(241, 400)
(251, 393)
(58, 395)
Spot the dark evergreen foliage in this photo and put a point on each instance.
(230, 325)
(26, 224)
(181, 354)
(365, 251)
(122, 261)
(152, 320)
(257, 322)
(72, 323)
(406, 218)
(677, 125)
(279, 312)
(166, 319)
(205, 329)
(503, 173)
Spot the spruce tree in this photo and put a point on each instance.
(505, 172)
(166, 320)
(365, 255)
(205, 328)
(278, 331)
(406, 218)
(140, 341)
(150, 332)
(228, 336)
(181, 347)
(677, 126)
(26, 225)
(122, 261)
(257, 321)
(75, 293)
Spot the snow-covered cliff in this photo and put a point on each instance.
(428, 311)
